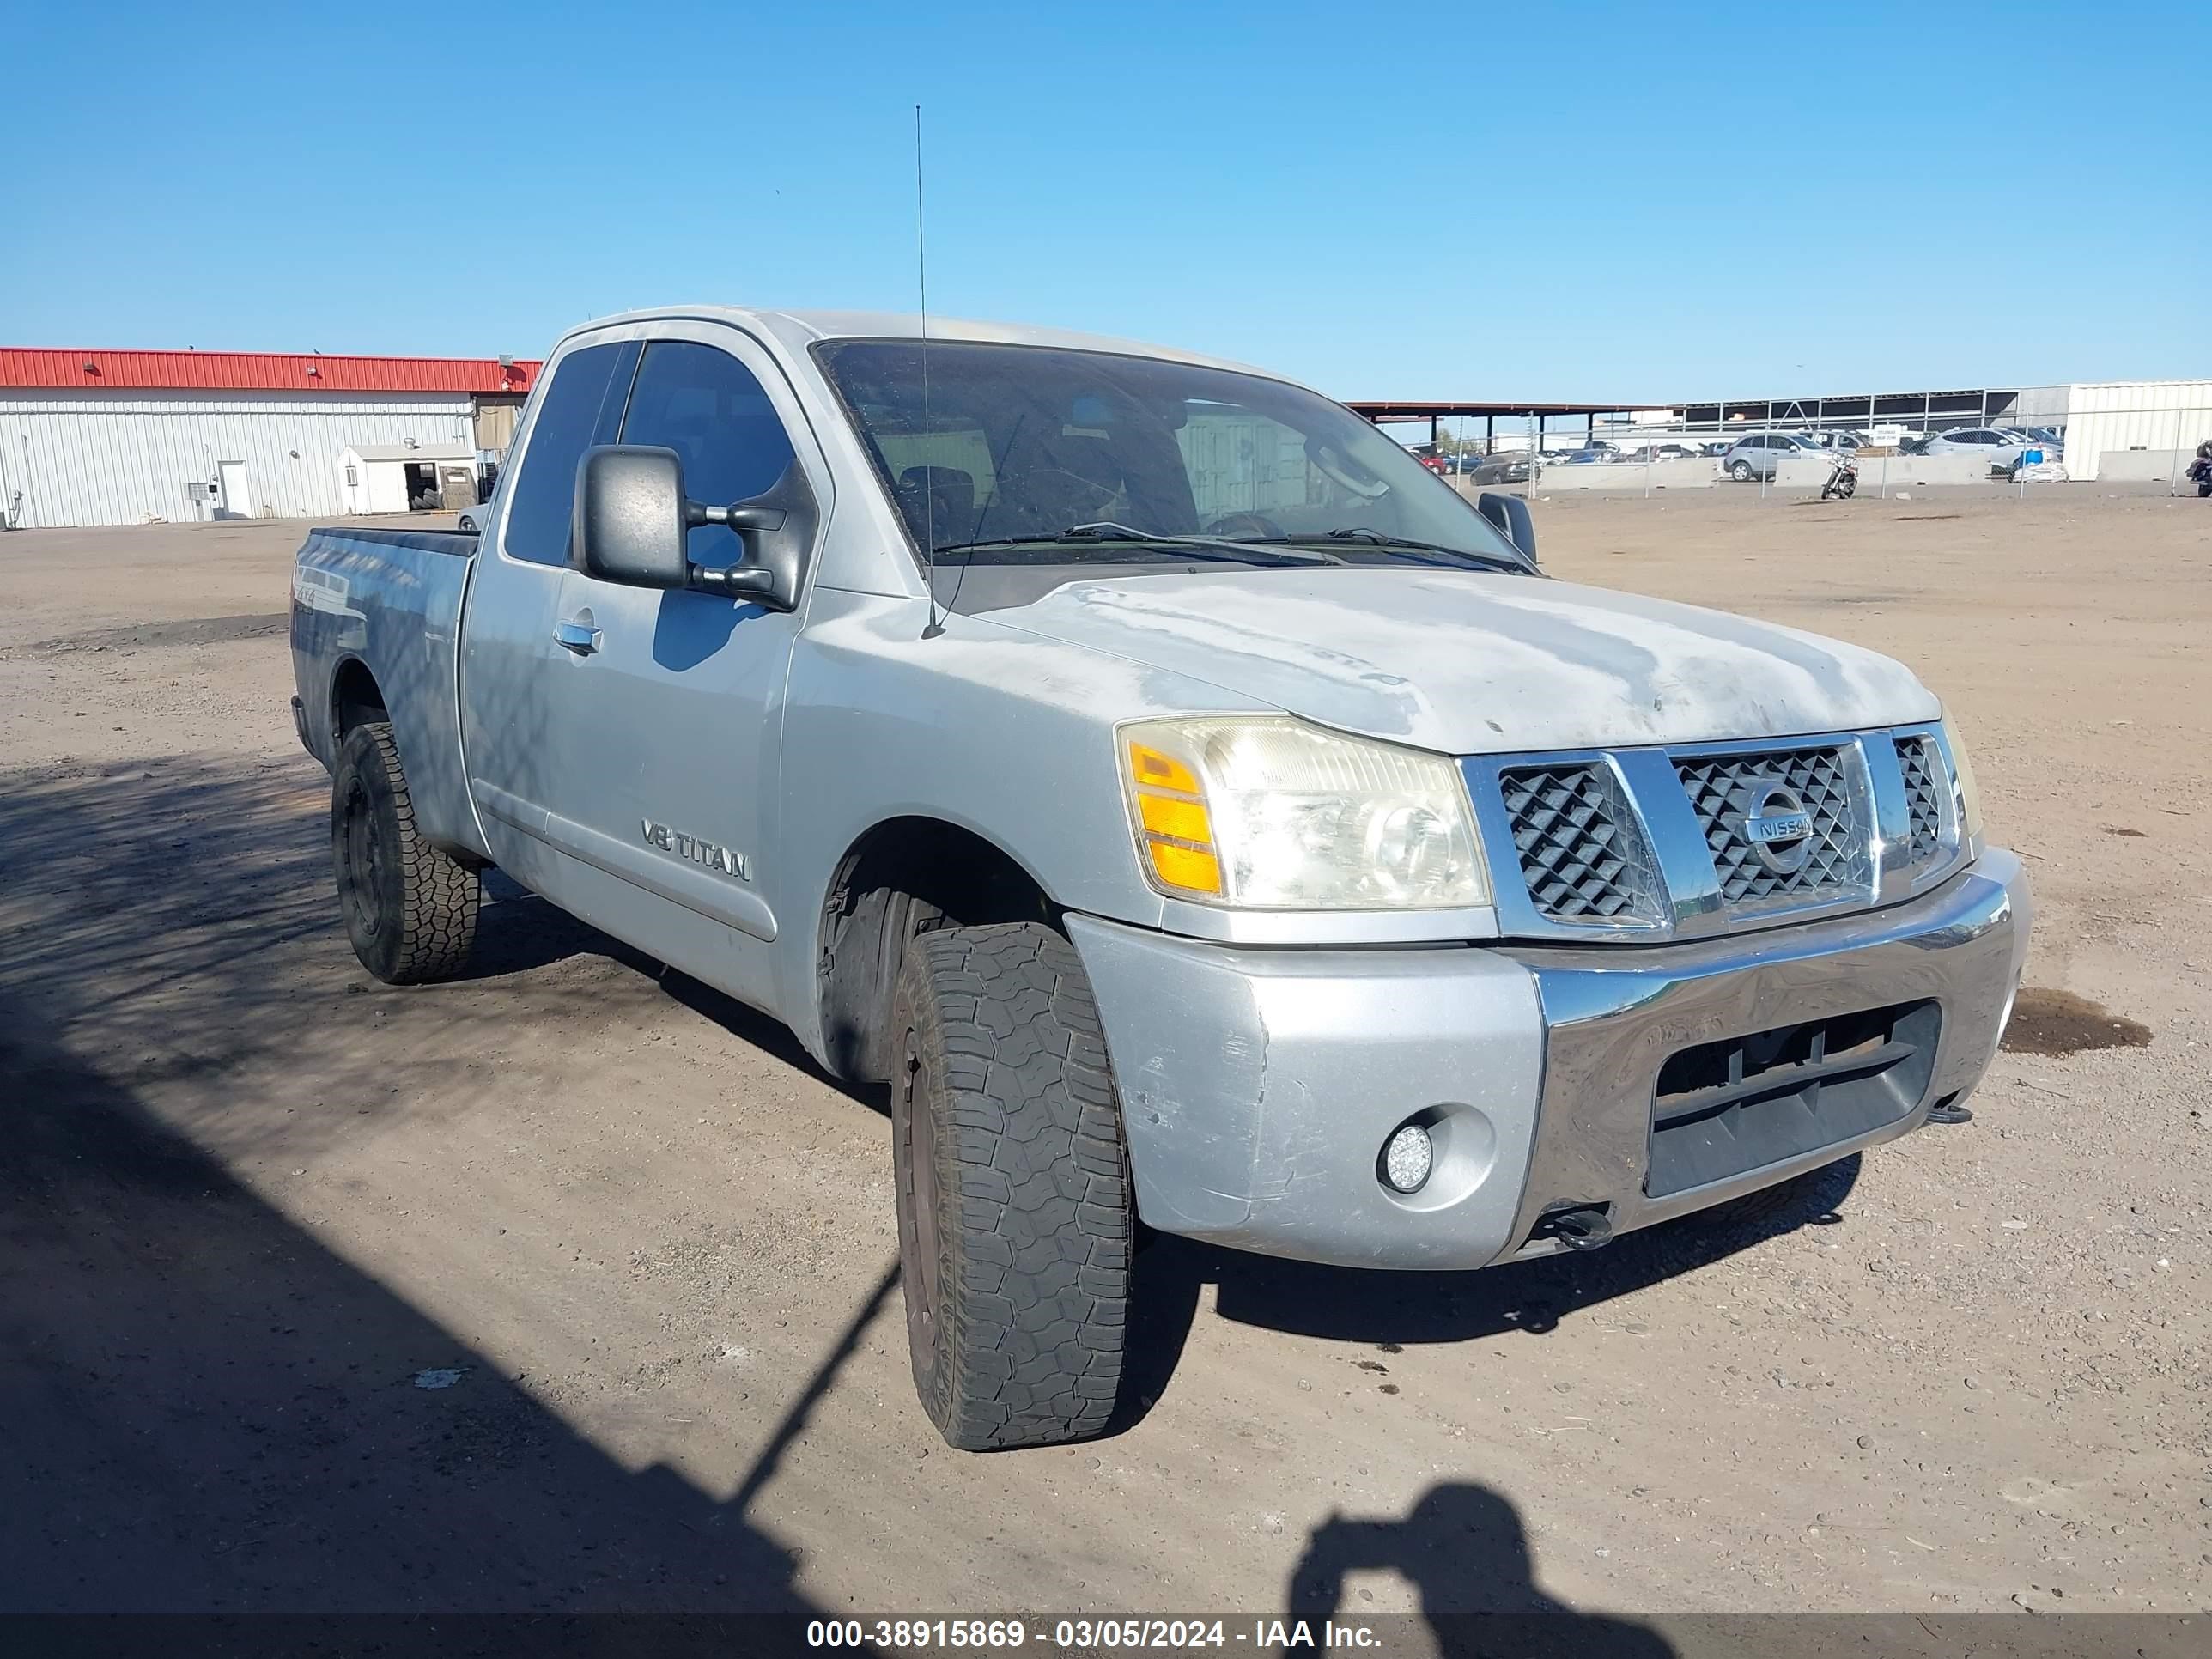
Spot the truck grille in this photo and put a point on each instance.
(1646, 843)
(1924, 795)
(1725, 790)
(1580, 851)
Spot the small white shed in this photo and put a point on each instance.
(402, 478)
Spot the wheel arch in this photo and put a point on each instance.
(355, 698)
(902, 876)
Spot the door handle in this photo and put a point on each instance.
(580, 637)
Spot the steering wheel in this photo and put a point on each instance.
(1244, 524)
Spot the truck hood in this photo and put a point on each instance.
(1467, 663)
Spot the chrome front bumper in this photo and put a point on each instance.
(1258, 1086)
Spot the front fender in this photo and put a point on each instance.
(997, 731)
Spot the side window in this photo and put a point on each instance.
(707, 406)
(568, 423)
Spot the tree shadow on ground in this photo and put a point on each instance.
(208, 1412)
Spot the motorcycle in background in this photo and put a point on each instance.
(2200, 469)
(1843, 480)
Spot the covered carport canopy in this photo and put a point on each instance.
(1490, 408)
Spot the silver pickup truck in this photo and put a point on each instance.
(1201, 815)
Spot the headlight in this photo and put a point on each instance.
(1266, 813)
(1965, 796)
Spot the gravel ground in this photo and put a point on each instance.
(568, 1286)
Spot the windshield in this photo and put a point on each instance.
(1022, 445)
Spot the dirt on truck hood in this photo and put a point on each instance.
(1470, 663)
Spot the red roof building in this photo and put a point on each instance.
(48, 367)
(98, 437)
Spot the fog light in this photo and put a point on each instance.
(1406, 1156)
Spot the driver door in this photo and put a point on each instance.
(667, 706)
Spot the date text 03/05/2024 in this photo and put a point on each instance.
(988, 1634)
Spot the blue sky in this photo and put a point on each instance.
(1549, 202)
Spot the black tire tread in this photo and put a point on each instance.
(1034, 1186)
(439, 896)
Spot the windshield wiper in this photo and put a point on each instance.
(1222, 548)
(1361, 534)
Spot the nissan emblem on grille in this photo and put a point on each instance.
(1777, 826)
(1783, 827)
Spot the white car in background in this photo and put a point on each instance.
(1994, 444)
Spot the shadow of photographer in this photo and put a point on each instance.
(1464, 1552)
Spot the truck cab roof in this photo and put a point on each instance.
(795, 331)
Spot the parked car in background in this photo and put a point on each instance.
(1645, 453)
(1991, 443)
(1760, 454)
(1509, 466)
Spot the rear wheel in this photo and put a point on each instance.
(409, 907)
(1740, 471)
(1015, 1207)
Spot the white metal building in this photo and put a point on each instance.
(2136, 429)
(123, 437)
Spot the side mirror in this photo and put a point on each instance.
(629, 523)
(632, 517)
(1511, 514)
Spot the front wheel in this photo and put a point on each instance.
(409, 907)
(1015, 1206)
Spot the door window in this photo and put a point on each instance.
(569, 420)
(707, 406)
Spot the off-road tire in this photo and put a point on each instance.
(1015, 1206)
(409, 907)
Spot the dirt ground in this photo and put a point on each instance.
(570, 1285)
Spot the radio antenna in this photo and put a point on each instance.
(936, 624)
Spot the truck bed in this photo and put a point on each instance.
(389, 601)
